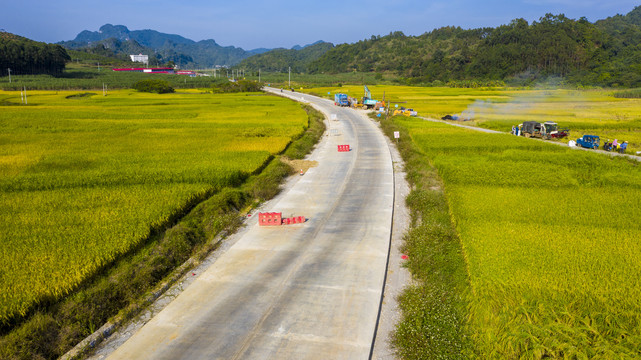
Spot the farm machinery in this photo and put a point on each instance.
(406, 112)
(548, 130)
(368, 103)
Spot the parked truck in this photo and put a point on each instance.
(341, 100)
(588, 141)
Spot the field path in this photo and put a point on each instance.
(304, 291)
(476, 128)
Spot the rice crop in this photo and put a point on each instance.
(85, 179)
(596, 112)
(550, 238)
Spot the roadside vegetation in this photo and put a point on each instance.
(88, 196)
(548, 239)
(237, 86)
(434, 309)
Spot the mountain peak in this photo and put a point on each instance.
(298, 47)
(116, 30)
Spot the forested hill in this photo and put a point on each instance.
(298, 58)
(606, 53)
(25, 56)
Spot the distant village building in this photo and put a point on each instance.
(140, 58)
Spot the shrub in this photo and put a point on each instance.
(153, 86)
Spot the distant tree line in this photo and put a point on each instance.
(24, 56)
(154, 86)
(281, 60)
(605, 53)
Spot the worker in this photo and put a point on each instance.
(623, 147)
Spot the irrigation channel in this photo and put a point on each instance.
(301, 291)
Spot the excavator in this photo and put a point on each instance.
(368, 102)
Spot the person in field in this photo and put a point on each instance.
(623, 147)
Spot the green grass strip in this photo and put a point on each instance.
(433, 324)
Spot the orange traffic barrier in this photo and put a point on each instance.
(270, 219)
(276, 219)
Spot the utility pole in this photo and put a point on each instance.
(25, 96)
(98, 65)
(258, 75)
(290, 76)
(9, 70)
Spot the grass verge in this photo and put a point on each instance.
(433, 324)
(123, 290)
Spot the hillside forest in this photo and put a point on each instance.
(23, 56)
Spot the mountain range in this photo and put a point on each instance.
(162, 47)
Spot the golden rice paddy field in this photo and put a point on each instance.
(84, 178)
(550, 235)
(551, 240)
(595, 112)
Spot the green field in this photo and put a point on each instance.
(85, 179)
(87, 75)
(91, 77)
(550, 241)
(595, 112)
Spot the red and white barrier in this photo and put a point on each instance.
(276, 219)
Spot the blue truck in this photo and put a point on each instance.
(589, 141)
(341, 100)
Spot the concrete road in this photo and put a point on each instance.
(304, 291)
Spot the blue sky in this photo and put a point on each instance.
(283, 23)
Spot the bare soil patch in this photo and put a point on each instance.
(299, 165)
